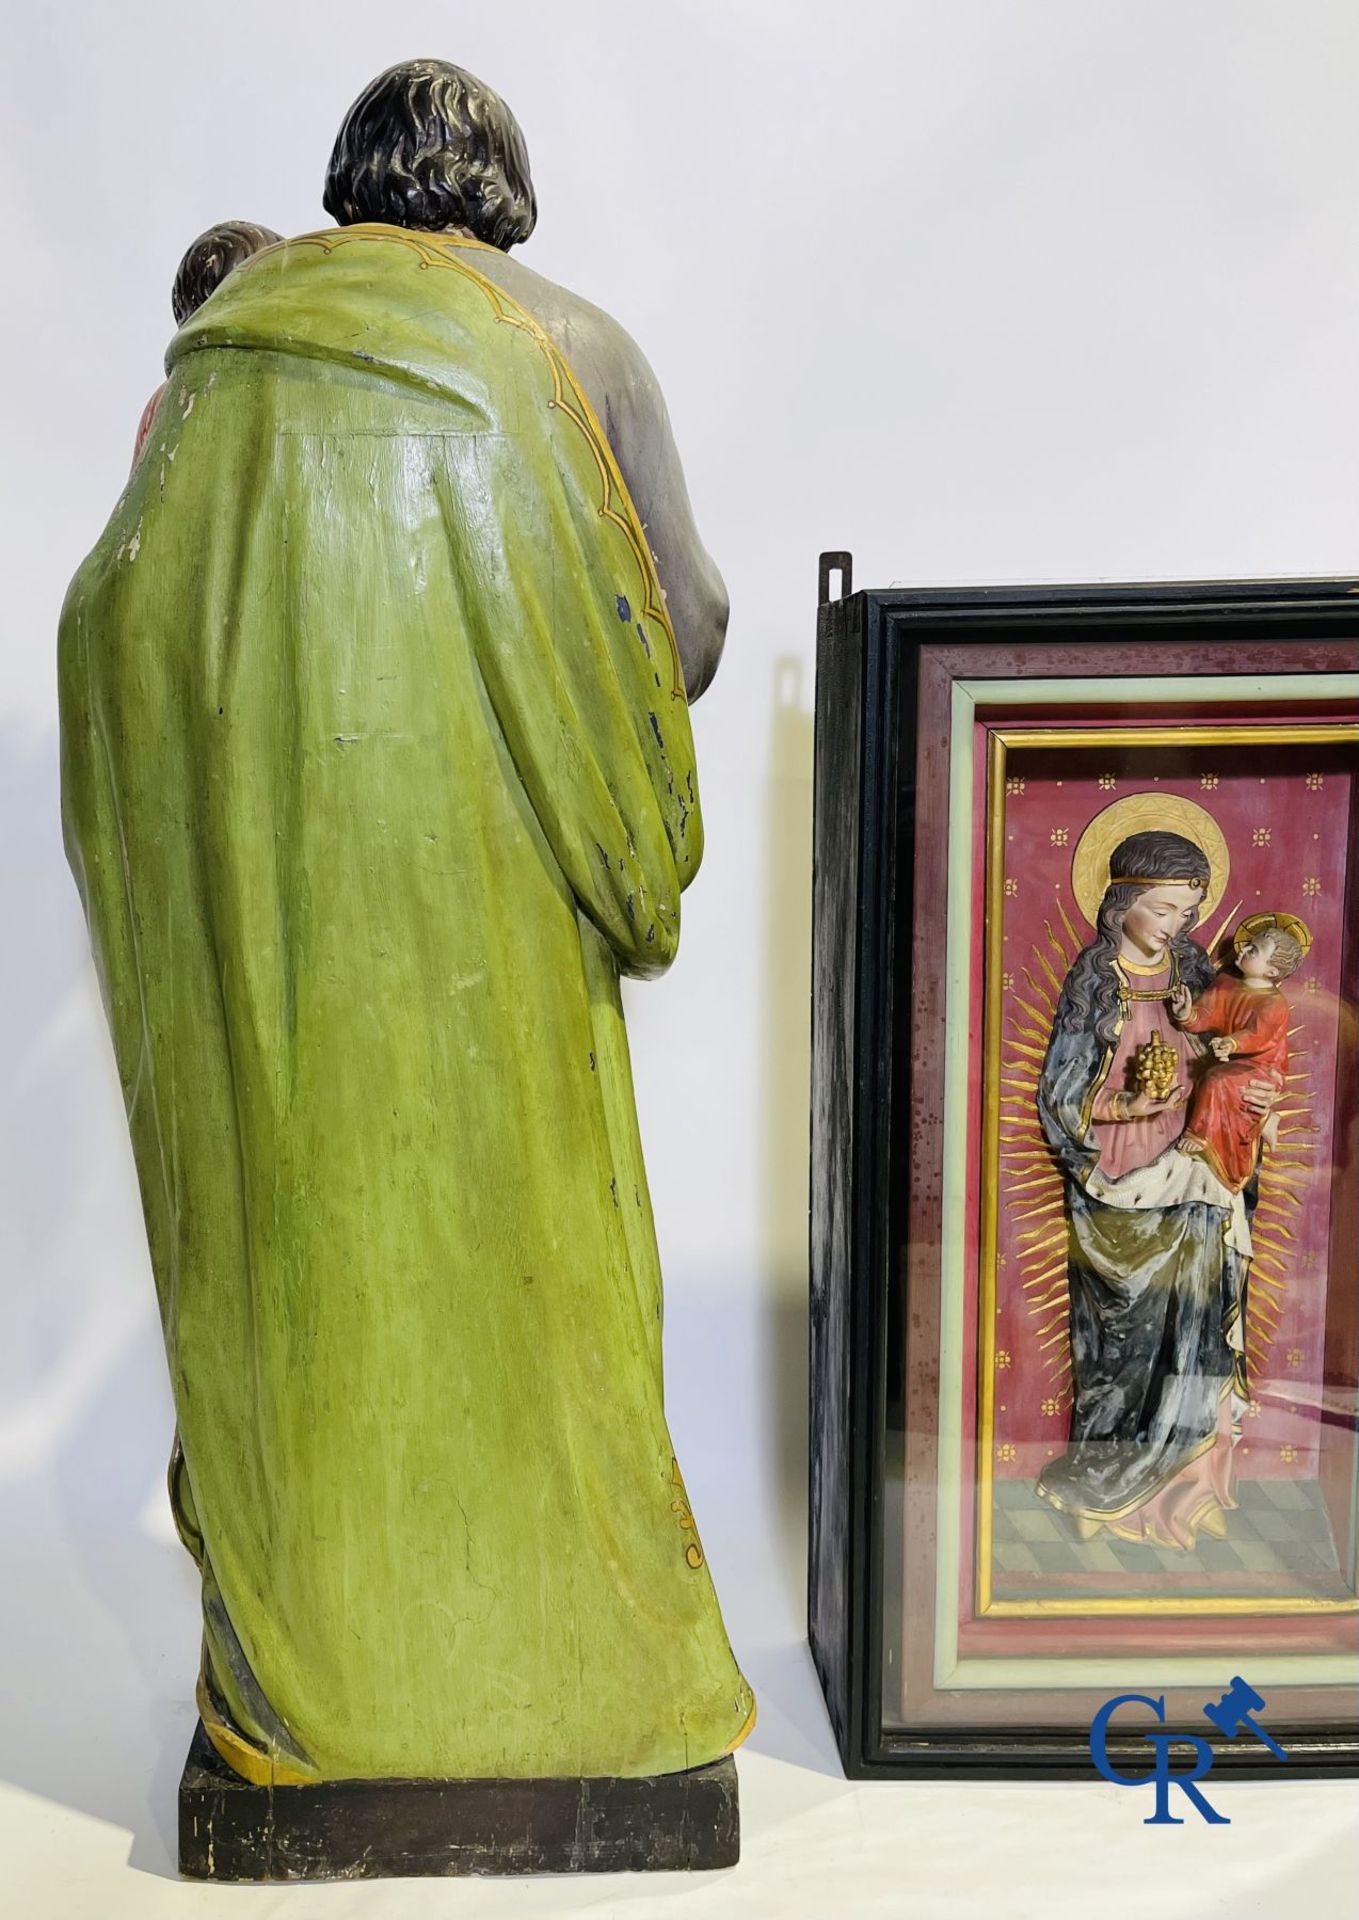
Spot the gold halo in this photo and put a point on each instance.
(1267, 923)
(1145, 813)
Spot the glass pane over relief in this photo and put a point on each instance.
(1121, 1448)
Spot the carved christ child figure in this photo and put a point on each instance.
(1246, 1017)
(206, 264)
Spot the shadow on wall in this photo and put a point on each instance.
(98, 1609)
(785, 1076)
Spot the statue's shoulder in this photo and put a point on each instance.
(601, 352)
(555, 307)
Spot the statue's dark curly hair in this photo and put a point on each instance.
(428, 146)
(211, 258)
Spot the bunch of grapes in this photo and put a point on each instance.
(1155, 1068)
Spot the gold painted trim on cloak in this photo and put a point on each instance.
(1130, 1506)
(1210, 1507)
(467, 240)
(252, 1763)
(693, 1553)
(747, 1727)
(186, 1523)
(1015, 1138)
(1102, 1073)
(433, 252)
(1193, 1521)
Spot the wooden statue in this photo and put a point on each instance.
(376, 775)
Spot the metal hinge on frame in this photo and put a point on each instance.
(841, 563)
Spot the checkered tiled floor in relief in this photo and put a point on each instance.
(1279, 1528)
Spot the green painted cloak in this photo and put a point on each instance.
(376, 773)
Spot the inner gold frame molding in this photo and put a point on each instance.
(1001, 741)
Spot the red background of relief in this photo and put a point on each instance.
(1287, 841)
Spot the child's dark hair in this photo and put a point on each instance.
(211, 258)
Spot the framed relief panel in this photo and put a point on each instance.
(1085, 1208)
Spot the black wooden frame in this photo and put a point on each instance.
(865, 806)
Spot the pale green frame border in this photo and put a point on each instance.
(1050, 1672)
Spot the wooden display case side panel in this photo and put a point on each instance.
(832, 1492)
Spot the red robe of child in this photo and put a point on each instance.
(1219, 1119)
(144, 424)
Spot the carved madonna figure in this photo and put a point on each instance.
(376, 775)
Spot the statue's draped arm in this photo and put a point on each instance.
(1070, 1078)
(583, 695)
(640, 428)
(627, 397)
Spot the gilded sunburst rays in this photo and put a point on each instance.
(1285, 1175)
(1031, 1179)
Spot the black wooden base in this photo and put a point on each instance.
(380, 1829)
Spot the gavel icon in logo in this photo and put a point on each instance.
(1232, 1715)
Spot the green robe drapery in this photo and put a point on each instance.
(377, 771)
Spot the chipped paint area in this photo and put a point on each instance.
(132, 546)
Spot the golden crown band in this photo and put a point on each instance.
(1158, 880)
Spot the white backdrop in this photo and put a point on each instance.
(1045, 290)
